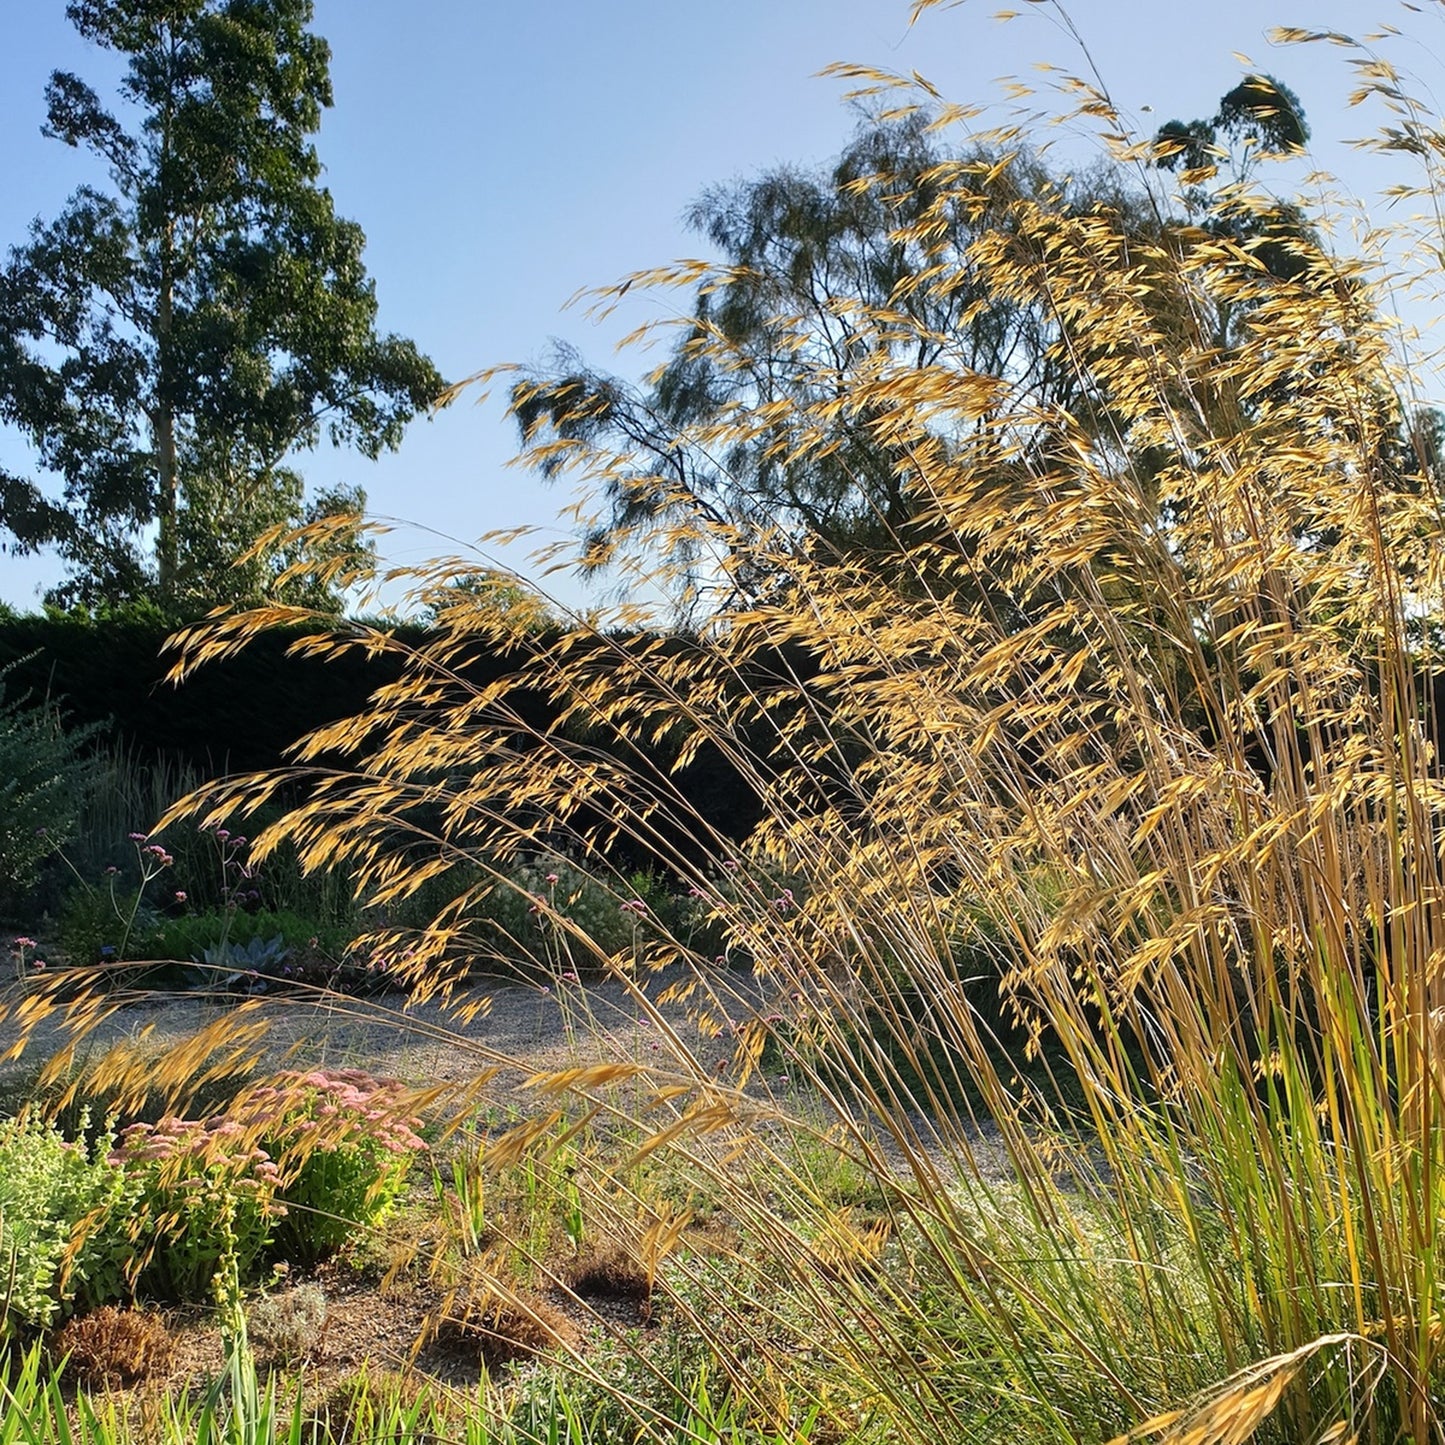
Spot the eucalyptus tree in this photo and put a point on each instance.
(827, 278)
(170, 339)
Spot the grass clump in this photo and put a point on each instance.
(502, 1330)
(111, 1347)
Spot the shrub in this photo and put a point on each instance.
(287, 1326)
(64, 1211)
(206, 1197)
(343, 1143)
(187, 937)
(95, 923)
(42, 785)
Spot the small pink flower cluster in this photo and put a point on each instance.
(357, 1103)
(23, 945)
(218, 1143)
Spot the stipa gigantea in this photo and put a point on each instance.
(1110, 808)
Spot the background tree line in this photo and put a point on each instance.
(169, 344)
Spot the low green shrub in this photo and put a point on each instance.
(206, 1194)
(343, 1143)
(546, 906)
(94, 924)
(286, 1326)
(64, 1211)
(42, 783)
(187, 937)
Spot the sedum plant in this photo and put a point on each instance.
(342, 1142)
(64, 1213)
(206, 1205)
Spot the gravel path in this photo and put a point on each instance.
(540, 1029)
(517, 1031)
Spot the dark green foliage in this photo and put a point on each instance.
(169, 342)
(242, 712)
(187, 938)
(96, 923)
(1260, 115)
(42, 783)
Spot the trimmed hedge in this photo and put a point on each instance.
(241, 713)
(232, 716)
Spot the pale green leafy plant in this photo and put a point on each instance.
(65, 1209)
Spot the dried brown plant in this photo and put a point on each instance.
(110, 1347)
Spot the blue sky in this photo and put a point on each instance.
(502, 156)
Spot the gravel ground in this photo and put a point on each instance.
(525, 1028)
(516, 1030)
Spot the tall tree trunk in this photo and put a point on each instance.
(167, 542)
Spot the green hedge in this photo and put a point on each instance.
(232, 715)
(240, 713)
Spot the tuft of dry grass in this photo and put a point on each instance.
(614, 1275)
(503, 1329)
(111, 1347)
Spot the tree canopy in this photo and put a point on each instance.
(772, 415)
(169, 341)
(827, 279)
